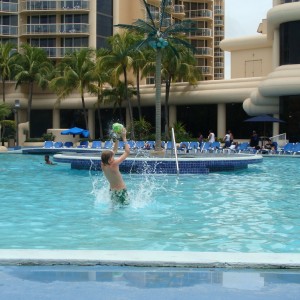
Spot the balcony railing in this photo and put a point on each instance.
(178, 9)
(202, 32)
(205, 70)
(54, 5)
(219, 11)
(219, 22)
(204, 51)
(289, 1)
(219, 65)
(8, 30)
(219, 54)
(219, 32)
(59, 52)
(8, 7)
(201, 13)
(74, 28)
(219, 76)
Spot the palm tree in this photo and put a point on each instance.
(32, 67)
(102, 78)
(5, 110)
(77, 74)
(158, 36)
(177, 68)
(7, 54)
(118, 93)
(120, 61)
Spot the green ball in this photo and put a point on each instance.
(117, 128)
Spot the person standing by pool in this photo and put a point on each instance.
(110, 168)
(211, 137)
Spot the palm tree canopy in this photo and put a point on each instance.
(157, 35)
(32, 65)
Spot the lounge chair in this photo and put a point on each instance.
(68, 144)
(151, 143)
(96, 145)
(58, 145)
(194, 146)
(83, 144)
(139, 144)
(287, 149)
(215, 146)
(121, 145)
(108, 144)
(205, 147)
(48, 144)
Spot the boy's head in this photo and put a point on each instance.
(106, 156)
(46, 157)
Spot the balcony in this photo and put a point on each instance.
(202, 32)
(54, 5)
(59, 52)
(218, 11)
(204, 51)
(289, 1)
(219, 65)
(219, 22)
(219, 33)
(6, 7)
(219, 76)
(205, 70)
(6, 30)
(219, 54)
(201, 13)
(55, 29)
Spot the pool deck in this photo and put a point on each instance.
(150, 258)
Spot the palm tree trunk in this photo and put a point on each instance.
(129, 104)
(168, 85)
(29, 107)
(99, 121)
(158, 101)
(138, 94)
(3, 90)
(84, 112)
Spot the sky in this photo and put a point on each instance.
(242, 18)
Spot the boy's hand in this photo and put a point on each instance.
(123, 134)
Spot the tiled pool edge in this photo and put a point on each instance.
(150, 258)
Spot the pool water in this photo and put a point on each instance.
(55, 207)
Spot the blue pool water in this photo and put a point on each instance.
(55, 207)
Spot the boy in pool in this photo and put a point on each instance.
(48, 161)
(110, 168)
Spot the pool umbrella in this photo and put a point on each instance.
(76, 131)
(264, 119)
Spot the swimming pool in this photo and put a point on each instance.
(55, 207)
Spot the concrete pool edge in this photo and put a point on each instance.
(19, 257)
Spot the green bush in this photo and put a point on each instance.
(48, 137)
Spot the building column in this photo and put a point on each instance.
(221, 121)
(276, 49)
(56, 118)
(91, 122)
(276, 125)
(172, 115)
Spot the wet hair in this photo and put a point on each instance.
(46, 157)
(106, 156)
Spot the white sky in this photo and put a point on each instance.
(242, 18)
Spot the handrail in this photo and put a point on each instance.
(175, 150)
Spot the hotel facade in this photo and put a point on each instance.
(264, 67)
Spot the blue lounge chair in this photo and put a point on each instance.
(121, 145)
(96, 145)
(287, 149)
(139, 144)
(131, 144)
(108, 144)
(48, 144)
(58, 144)
(215, 147)
(205, 147)
(83, 144)
(68, 144)
(194, 146)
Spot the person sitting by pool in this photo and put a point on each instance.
(48, 161)
(110, 168)
(147, 146)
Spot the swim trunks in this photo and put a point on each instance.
(119, 196)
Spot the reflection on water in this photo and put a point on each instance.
(262, 283)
